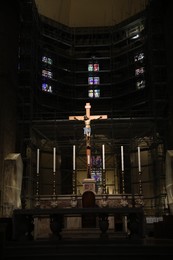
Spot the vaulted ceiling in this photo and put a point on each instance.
(88, 13)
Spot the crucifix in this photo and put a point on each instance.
(87, 118)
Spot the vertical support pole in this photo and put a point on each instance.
(37, 203)
(139, 170)
(54, 202)
(54, 171)
(116, 189)
(122, 169)
(74, 171)
(104, 181)
(124, 200)
(88, 156)
(103, 170)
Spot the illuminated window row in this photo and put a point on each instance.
(46, 87)
(47, 60)
(93, 67)
(94, 93)
(47, 74)
(140, 84)
(139, 57)
(93, 80)
(140, 70)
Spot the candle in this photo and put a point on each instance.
(103, 156)
(166, 202)
(54, 159)
(139, 159)
(122, 159)
(38, 160)
(88, 160)
(74, 154)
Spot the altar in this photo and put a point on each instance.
(37, 220)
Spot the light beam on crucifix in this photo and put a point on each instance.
(87, 118)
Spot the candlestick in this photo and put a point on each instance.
(54, 159)
(122, 159)
(103, 156)
(139, 159)
(74, 159)
(38, 160)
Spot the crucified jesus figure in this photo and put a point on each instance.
(87, 121)
(87, 128)
(87, 131)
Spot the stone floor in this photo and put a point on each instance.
(89, 244)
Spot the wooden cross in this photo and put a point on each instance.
(87, 132)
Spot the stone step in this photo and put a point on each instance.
(91, 232)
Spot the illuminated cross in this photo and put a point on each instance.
(87, 132)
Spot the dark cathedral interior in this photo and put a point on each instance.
(86, 129)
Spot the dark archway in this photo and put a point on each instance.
(88, 201)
